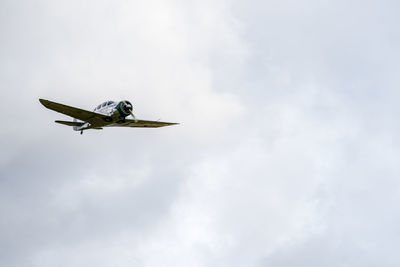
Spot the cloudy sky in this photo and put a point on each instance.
(287, 153)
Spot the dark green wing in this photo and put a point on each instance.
(143, 124)
(80, 114)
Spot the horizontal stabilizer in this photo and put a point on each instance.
(70, 123)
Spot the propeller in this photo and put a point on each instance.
(133, 116)
(129, 108)
(125, 109)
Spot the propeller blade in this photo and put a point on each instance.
(133, 116)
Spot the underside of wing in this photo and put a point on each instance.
(143, 124)
(81, 114)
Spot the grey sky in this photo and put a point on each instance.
(287, 154)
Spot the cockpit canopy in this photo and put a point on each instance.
(107, 103)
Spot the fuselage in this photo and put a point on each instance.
(116, 113)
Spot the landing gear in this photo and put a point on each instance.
(81, 131)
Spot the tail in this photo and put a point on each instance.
(76, 128)
(76, 125)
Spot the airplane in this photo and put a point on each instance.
(107, 114)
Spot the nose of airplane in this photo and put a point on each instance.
(127, 106)
(124, 108)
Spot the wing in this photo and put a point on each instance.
(80, 114)
(143, 124)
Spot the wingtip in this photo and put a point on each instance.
(44, 102)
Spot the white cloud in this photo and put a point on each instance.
(286, 154)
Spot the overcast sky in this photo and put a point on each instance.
(288, 148)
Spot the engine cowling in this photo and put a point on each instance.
(124, 108)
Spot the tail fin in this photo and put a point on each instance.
(76, 128)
